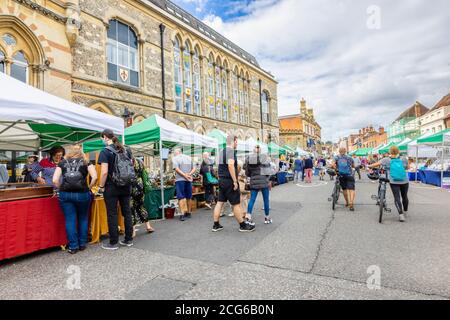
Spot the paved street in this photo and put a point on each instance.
(308, 253)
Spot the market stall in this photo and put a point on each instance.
(438, 173)
(33, 120)
(155, 135)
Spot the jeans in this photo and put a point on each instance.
(254, 194)
(112, 196)
(298, 175)
(75, 206)
(209, 193)
(401, 190)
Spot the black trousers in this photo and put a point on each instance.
(358, 171)
(112, 196)
(209, 193)
(400, 192)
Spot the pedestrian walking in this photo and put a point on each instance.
(257, 168)
(298, 170)
(344, 165)
(116, 178)
(309, 165)
(138, 189)
(397, 167)
(70, 178)
(209, 179)
(357, 165)
(229, 186)
(184, 169)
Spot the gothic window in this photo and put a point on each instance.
(211, 100)
(2, 62)
(241, 100)
(187, 78)
(19, 67)
(218, 91)
(225, 95)
(246, 103)
(235, 97)
(122, 54)
(197, 87)
(265, 107)
(178, 76)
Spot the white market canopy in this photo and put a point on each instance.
(249, 145)
(31, 119)
(302, 152)
(421, 150)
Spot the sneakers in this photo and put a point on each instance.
(250, 221)
(182, 217)
(207, 205)
(247, 227)
(72, 251)
(402, 217)
(217, 227)
(231, 214)
(188, 215)
(126, 243)
(109, 246)
(268, 221)
(222, 214)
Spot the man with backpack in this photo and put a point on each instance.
(117, 176)
(344, 166)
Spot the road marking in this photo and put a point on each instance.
(313, 185)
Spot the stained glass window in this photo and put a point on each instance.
(225, 95)
(211, 100)
(197, 89)
(122, 54)
(218, 91)
(178, 76)
(235, 98)
(187, 78)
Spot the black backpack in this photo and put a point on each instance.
(123, 170)
(73, 179)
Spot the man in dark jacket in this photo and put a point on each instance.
(257, 168)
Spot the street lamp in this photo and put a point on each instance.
(128, 117)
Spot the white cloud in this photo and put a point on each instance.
(322, 50)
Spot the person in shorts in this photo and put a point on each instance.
(229, 186)
(184, 169)
(344, 165)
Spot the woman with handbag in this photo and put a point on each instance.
(209, 180)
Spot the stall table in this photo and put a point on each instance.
(433, 177)
(152, 201)
(30, 225)
(99, 220)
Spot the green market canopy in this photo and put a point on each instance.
(386, 148)
(276, 149)
(289, 149)
(440, 138)
(151, 131)
(362, 152)
(31, 119)
(220, 136)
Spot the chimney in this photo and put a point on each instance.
(381, 130)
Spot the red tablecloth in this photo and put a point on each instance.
(30, 225)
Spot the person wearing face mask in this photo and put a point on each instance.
(43, 172)
(116, 178)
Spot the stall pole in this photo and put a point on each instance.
(417, 160)
(442, 170)
(161, 176)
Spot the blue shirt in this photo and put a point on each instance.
(298, 165)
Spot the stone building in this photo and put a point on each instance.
(301, 130)
(371, 138)
(108, 55)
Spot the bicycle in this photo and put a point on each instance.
(382, 187)
(336, 189)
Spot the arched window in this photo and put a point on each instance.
(218, 74)
(2, 62)
(122, 54)
(187, 78)
(265, 107)
(241, 98)
(211, 100)
(178, 76)
(225, 94)
(246, 103)
(235, 97)
(19, 67)
(197, 89)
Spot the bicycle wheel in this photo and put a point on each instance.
(382, 205)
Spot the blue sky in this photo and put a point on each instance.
(357, 64)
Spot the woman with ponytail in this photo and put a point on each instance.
(114, 193)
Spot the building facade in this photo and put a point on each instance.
(301, 130)
(435, 120)
(407, 125)
(371, 138)
(110, 55)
